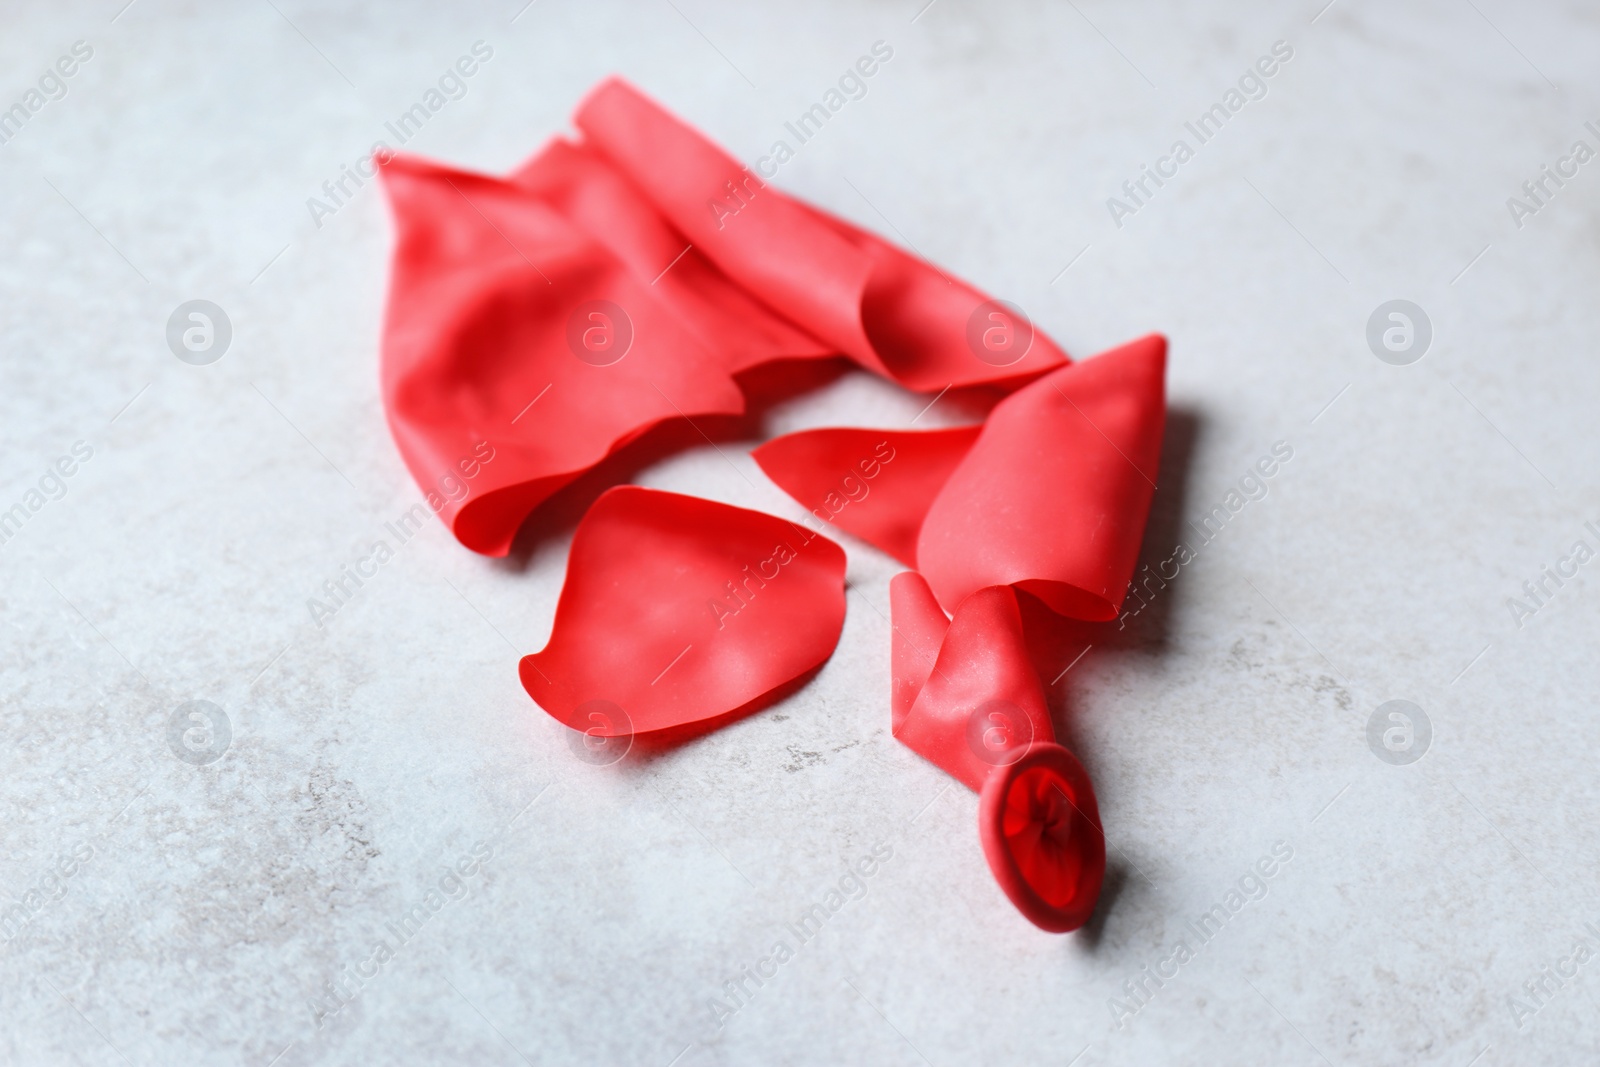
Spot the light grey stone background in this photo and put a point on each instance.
(210, 906)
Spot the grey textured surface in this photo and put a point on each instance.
(209, 904)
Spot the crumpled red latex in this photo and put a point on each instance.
(539, 323)
(1050, 496)
(1042, 836)
(966, 697)
(891, 312)
(591, 193)
(507, 323)
(558, 315)
(877, 484)
(679, 610)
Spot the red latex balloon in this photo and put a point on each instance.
(1054, 495)
(677, 610)
(877, 484)
(1042, 836)
(891, 312)
(594, 195)
(1051, 495)
(552, 318)
(979, 697)
(966, 697)
(510, 325)
(537, 324)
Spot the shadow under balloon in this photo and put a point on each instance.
(645, 749)
(1112, 888)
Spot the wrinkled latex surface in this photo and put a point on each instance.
(679, 610)
(497, 283)
(964, 691)
(741, 331)
(486, 283)
(1051, 496)
(539, 323)
(1040, 826)
(877, 484)
(966, 697)
(889, 311)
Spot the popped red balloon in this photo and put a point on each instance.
(964, 690)
(1041, 832)
(509, 325)
(509, 298)
(1054, 495)
(1050, 496)
(594, 195)
(877, 484)
(537, 324)
(965, 697)
(891, 312)
(677, 610)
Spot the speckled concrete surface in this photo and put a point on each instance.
(227, 906)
